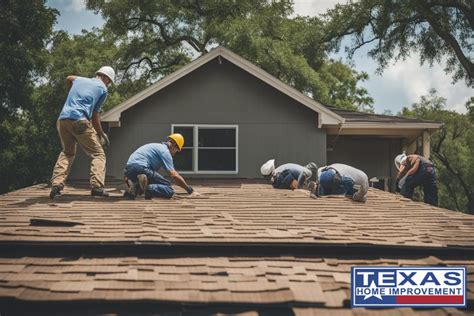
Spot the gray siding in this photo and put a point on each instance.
(374, 156)
(271, 125)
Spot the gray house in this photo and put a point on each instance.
(235, 116)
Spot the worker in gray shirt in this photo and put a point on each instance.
(290, 175)
(339, 178)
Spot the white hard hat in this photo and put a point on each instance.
(267, 167)
(108, 71)
(399, 160)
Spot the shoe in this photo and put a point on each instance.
(148, 194)
(99, 191)
(310, 186)
(313, 188)
(131, 189)
(142, 182)
(55, 191)
(128, 196)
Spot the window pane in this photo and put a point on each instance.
(217, 137)
(183, 160)
(217, 159)
(187, 132)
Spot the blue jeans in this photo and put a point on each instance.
(426, 176)
(346, 187)
(158, 186)
(283, 180)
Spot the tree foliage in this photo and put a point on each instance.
(26, 27)
(436, 29)
(157, 37)
(452, 149)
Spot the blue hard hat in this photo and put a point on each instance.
(326, 179)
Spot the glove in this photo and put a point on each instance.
(104, 140)
(189, 189)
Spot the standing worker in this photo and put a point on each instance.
(290, 175)
(339, 178)
(415, 170)
(79, 122)
(141, 170)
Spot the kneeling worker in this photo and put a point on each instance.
(339, 178)
(415, 170)
(141, 171)
(290, 175)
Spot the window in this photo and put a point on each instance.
(208, 149)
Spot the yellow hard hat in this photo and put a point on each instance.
(178, 139)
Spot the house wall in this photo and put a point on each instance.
(270, 124)
(374, 156)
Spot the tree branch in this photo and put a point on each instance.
(198, 46)
(152, 65)
(454, 196)
(448, 39)
(448, 166)
(466, 10)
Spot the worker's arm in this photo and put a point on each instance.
(294, 185)
(179, 180)
(414, 167)
(304, 176)
(401, 171)
(69, 81)
(96, 123)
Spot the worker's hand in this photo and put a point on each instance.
(189, 189)
(104, 140)
(195, 194)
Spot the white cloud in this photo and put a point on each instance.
(68, 5)
(312, 7)
(77, 5)
(402, 83)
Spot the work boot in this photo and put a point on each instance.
(55, 191)
(313, 188)
(99, 191)
(148, 194)
(131, 190)
(142, 183)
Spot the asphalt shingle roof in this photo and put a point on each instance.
(242, 245)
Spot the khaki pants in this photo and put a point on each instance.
(82, 132)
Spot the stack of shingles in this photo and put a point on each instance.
(251, 214)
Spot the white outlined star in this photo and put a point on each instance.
(372, 287)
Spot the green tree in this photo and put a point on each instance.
(452, 151)
(436, 29)
(157, 37)
(26, 27)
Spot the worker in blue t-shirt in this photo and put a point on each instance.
(141, 170)
(79, 122)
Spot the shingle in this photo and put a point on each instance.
(244, 214)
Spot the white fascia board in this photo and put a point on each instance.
(394, 125)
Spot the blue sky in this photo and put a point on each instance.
(401, 84)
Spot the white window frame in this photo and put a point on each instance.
(196, 147)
